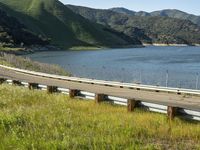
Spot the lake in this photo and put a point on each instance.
(165, 66)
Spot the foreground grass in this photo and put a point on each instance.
(36, 120)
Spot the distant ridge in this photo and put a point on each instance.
(173, 13)
(123, 10)
(159, 30)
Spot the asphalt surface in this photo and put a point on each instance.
(168, 99)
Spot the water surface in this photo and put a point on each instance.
(171, 66)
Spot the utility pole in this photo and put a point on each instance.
(197, 80)
(167, 78)
(140, 77)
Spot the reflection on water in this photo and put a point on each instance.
(147, 65)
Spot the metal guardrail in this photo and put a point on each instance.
(110, 83)
(195, 115)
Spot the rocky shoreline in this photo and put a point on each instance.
(163, 44)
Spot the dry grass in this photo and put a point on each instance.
(28, 64)
(10, 48)
(36, 120)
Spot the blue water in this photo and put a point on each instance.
(149, 65)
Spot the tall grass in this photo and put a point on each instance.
(36, 120)
(28, 64)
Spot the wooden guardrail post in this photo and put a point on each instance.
(32, 86)
(132, 103)
(99, 98)
(2, 80)
(16, 82)
(52, 89)
(73, 93)
(171, 112)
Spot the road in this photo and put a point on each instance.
(168, 99)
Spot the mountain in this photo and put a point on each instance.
(123, 10)
(148, 29)
(129, 12)
(51, 19)
(173, 13)
(13, 33)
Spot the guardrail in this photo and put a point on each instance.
(130, 103)
(110, 83)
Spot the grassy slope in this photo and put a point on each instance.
(27, 64)
(13, 33)
(147, 29)
(52, 19)
(35, 120)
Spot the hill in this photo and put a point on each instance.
(148, 29)
(123, 10)
(37, 120)
(173, 13)
(13, 33)
(51, 19)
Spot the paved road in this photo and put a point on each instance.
(167, 99)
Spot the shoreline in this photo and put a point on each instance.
(163, 44)
(37, 48)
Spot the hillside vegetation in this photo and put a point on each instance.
(148, 29)
(52, 20)
(36, 120)
(173, 13)
(13, 33)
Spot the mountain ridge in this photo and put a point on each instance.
(51, 19)
(173, 13)
(148, 29)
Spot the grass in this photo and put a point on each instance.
(36, 120)
(28, 64)
(10, 49)
(88, 48)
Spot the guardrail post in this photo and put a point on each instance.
(171, 112)
(2, 80)
(132, 103)
(73, 93)
(32, 86)
(52, 89)
(15, 82)
(99, 98)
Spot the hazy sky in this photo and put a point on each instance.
(190, 6)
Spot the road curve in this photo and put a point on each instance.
(190, 102)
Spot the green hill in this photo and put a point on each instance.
(51, 19)
(173, 13)
(13, 33)
(123, 10)
(148, 29)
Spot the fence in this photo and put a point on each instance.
(131, 103)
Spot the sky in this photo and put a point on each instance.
(190, 6)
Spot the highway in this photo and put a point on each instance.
(153, 95)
